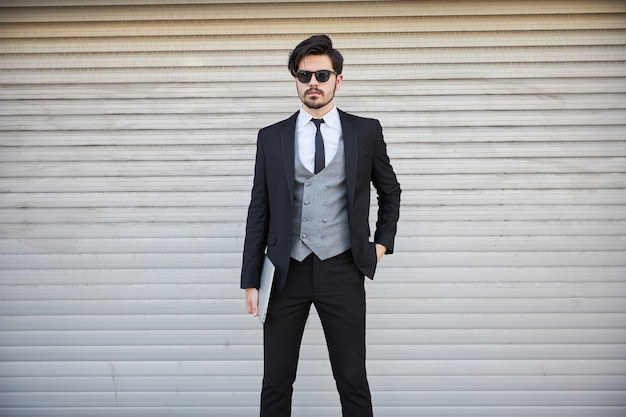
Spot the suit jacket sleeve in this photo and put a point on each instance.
(388, 190)
(257, 224)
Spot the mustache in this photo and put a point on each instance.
(313, 90)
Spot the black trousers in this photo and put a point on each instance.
(336, 287)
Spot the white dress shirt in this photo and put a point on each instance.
(305, 135)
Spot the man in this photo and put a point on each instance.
(310, 209)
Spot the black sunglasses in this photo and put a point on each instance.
(321, 75)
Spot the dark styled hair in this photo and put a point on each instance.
(315, 45)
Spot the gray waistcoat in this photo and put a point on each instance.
(320, 223)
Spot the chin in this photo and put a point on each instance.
(316, 105)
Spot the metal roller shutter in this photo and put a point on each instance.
(127, 133)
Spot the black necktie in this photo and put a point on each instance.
(319, 146)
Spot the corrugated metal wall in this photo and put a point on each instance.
(127, 143)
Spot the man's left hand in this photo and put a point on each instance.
(380, 251)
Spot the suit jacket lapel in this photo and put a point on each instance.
(287, 138)
(350, 149)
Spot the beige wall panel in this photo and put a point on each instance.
(294, 26)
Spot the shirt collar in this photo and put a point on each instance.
(331, 118)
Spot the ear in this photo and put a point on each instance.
(339, 80)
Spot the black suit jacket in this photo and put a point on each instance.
(270, 214)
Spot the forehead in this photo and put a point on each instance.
(315, 62)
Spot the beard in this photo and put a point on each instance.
(316, 102)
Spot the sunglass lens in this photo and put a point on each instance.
(304, 76)
(322, 76)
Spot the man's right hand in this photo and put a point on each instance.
(252, 301)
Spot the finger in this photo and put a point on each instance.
(251, 307)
